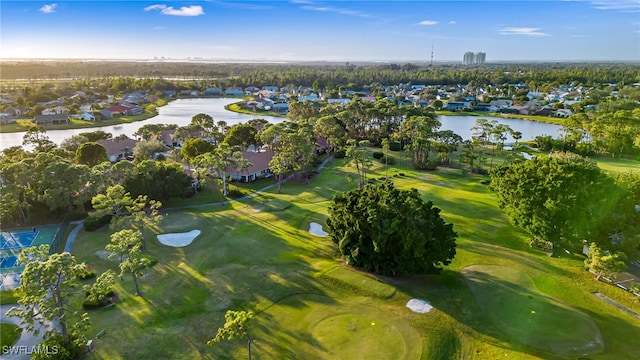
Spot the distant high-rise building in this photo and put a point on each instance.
(468, 58)
(471, 58)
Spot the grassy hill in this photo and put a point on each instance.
(259, 255)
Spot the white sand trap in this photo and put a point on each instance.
(419, 306)
(178, 239)
(316, 229)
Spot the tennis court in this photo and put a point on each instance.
(7, 262)
(17, 240)
(11, 244)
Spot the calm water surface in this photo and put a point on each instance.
(181, 111)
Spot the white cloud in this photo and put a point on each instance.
(311, 6)
(622, 5)
(427, 22)
(48, 8)
(452, 22)
(527, 31)
(192, 10)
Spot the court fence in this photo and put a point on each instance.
(57, 238)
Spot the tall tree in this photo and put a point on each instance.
(390, 231)
(604, 263)
(48, 285)
(236, 326)
(562, 198)
(116, 202)
(37, 138)
(91, 154)
(361, 158)
(126, 246)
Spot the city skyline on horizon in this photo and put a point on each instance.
(322, 31)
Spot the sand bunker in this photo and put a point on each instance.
(316, 229)
(419, 306)
(178, 239)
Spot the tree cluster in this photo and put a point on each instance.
(389, 231)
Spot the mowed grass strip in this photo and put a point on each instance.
(358, 283)
(515, 306)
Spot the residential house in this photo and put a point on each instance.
(166, 137)
(169, 93)
(457, 105)
(369, 98)
(86, 116)
(136, 110)
(189, 92)
(116, 110)
(45, 104)
(15, 110)
(55, 110)
(119, 150)
(485, 107)
(51, 119)
(259, 168)
(501, 103)
(233, 92)
(524, 109)
(251, 90)
(270, 88)
(281, 108)
(6, 118)
(338, 101)
(546, 111)
(563, 113)
(212, 91)
(310, 97)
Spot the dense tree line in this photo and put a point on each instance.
(332, 75)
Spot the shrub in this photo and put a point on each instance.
(394, 146)
(340, 154)
(389, 160)
(93, 223)
(378, 155)
(546, 246)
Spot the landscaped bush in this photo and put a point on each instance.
(105, 299)
(378, 155)
(92, 223)
(394, 146)
(340, 154)
(540, 244)
(389, 160)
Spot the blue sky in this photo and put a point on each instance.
(297, 30)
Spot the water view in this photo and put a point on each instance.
(181, 111)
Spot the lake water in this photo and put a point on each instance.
(181, 111)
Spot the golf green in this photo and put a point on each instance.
(509, 298)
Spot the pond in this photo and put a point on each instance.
(181, 111)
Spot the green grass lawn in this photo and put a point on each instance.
(258, 255)
(9, 334)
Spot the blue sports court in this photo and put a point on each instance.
(17, 240)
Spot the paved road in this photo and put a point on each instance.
(27, 340)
